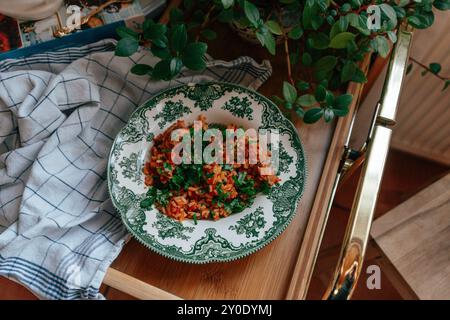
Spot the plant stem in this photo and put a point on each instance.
(428, 69)
(288, 59)
(286, 46)
(205, 22)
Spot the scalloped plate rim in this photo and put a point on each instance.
(245, 253)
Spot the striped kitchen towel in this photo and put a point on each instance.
(59, 114)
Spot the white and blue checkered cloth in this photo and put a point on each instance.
(59, 114)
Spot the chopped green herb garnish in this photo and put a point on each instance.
(170, 181)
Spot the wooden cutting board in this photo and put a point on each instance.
(415, 238)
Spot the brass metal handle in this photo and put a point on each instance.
(360, 220)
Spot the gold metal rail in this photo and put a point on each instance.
(360, 220)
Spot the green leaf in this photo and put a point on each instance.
(209, 34)
(278, 101)
(176, 16)
(161, 71)
(329, 98)
(270, 43)
(320, 93)
(358, 21)
(392, 36)
(351, 72)
(193, 56)
(175, 66)
(389, 12)
(179, 37)
(446, 85)
(289, 92)
(154, 31)
(422, 20)
(325, 64)
(323, 5)
(313, 115)
(353, 50)
(252, 13)
(328, 115)
(343, 23)
(348, 70)
(359, 76)
(126, 47)
(124, 32)
(409, 68)
(343, 101)
(346, 7)
(306, 100)
(415, 22)
(316, 21)
(401, 13)
(320, 40)
(306, 59)
(308, 12)
(267, 40)
(442, 4)
(339, 27)
(295, 33)
(160, 42)
(227, 3)
(335, 29)
(381, 45)
(162, 53)
(340, 112)
(274, 27)
(141, 69)
(300, 112)
(341, 40)
(302, 85)
(435, 67)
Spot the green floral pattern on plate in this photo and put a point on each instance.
(209, 241)
(250, 223)
(204, 96)
(170, 112)
(240, 107)
(170, 228)
(130, 168)
(285, 160)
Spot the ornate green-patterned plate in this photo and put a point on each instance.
(229, 238)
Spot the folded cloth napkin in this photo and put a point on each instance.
(59, 114)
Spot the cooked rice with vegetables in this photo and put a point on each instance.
(201, 191)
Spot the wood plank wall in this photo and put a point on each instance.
(423, 119)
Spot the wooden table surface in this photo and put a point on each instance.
(266, 274)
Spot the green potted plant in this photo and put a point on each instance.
(326, 38)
